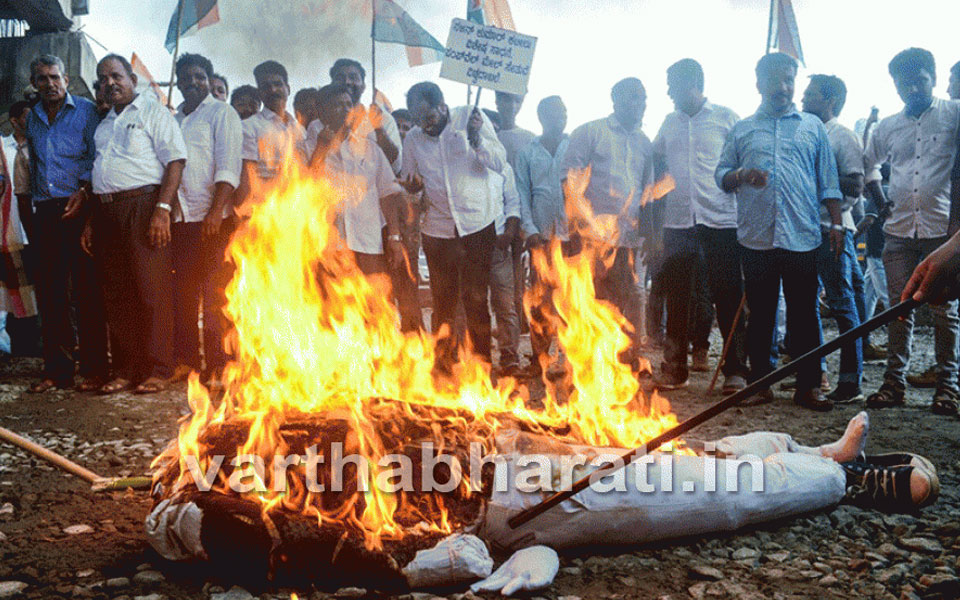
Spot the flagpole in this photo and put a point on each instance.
(373, 52)
(176, 51)
(770, 28)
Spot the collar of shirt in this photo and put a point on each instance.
(791, 112)
(180, 115)
(614, 123)
(704, 110)
(42, 114)
(269, 115)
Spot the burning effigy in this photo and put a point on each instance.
(335, 450)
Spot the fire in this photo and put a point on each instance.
(320, 357)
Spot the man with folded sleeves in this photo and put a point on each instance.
(213, 135)
(451, 155)
(140, 156)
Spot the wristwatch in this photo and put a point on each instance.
(394, 237)
(163, 206)
(837, 227)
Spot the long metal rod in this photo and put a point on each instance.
(894, 312)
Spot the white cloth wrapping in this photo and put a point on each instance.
(455, 559)
(793, 483)
(173, 529)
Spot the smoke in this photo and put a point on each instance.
(306, 36)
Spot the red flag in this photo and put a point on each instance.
(146, 78)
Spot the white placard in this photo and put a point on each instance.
(488, 57)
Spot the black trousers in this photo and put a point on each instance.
(460, 270)
(685, 250)
(198, 265)
(763, 273)
(137, 288)
(67, 277)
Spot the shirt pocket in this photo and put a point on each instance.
(133, 140)
(71, 145)
(940, 140)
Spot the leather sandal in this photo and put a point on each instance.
(946, 402)
(888, 396)
(113, 386)
(151, 385)
(42, 386)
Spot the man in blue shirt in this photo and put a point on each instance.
(779, 162)
(60, 133)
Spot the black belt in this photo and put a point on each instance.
(127, 194)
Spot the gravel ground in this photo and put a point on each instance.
(59, 540)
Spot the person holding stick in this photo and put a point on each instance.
(700, 218)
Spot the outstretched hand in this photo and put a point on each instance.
(934, 277)
(532, 568)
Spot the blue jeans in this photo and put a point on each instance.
(875, 288)
(900, 257)
(836, 275)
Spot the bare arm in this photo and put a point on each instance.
(159, 230)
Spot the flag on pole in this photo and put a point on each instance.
(393, 25)
(197, 14)
(145, 80)
(381, 99)
(491, 12)
(784, 35)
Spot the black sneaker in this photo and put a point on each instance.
(887, 488)
(846, 393)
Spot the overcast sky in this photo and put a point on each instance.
(583, 48)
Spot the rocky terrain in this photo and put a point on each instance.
(60, 540)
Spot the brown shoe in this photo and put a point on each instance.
(813, 399)
(761, 397)
(700, 363)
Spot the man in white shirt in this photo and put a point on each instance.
(920, 143)
(270, 136)
(450, 156)
(368, 216)
(213, 135)
(377, 124)
(136, 173)
(841, 274)
(621, 169)
(543, 215)
(700, 220)
(513, 139)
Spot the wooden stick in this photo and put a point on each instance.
(48, 455)
(726, 343)
(895, 312)
(97, 482)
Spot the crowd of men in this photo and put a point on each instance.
(760, 223)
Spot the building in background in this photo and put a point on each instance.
(32, 27)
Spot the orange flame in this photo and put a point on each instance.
(313, 336)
